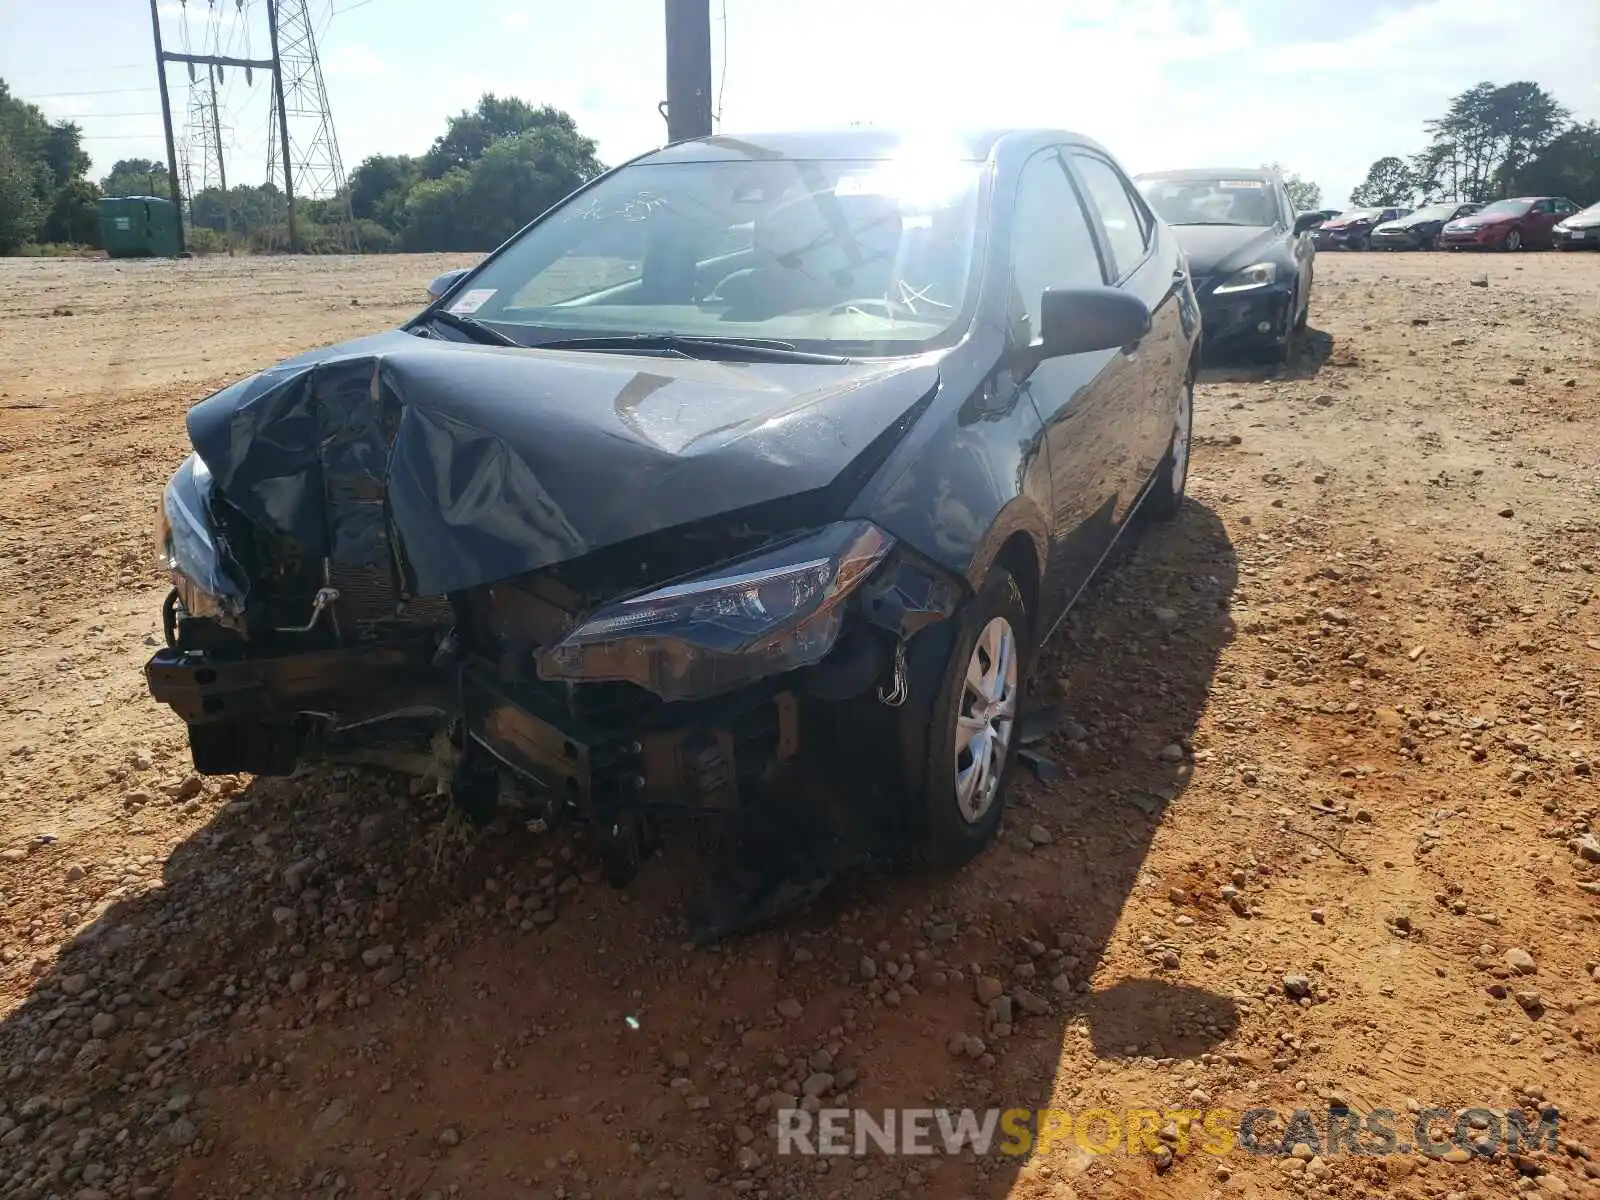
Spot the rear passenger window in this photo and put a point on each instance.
(1051, 245)
(1119, 213)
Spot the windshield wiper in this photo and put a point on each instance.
(473, 328)
(758, 349)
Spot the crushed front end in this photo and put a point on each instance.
(331, 601)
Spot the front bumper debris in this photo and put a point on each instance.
(1246, 320)
(263, 715)
(1386, 239)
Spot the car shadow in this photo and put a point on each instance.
(295, 904)
(1314, 349)
(1123, 682)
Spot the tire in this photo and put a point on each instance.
(1303, 317)
(1513, 242)
(949, 825)
(1164, 500)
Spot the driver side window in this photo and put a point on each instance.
(1051, 245)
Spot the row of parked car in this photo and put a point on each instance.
(1521, 223)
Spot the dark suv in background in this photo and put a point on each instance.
(1419, 230)
(1352, 229)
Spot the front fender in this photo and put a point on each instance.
(972, 474)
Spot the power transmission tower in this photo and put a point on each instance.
(301, 142)
(302, 123)
(202, 138)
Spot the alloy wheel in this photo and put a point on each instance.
(1180, 440)
(1514, 240)
(985, 719)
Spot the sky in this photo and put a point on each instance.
(1324, 88)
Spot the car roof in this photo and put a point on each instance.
(861, 144)
(1212, 173)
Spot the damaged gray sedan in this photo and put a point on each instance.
(752, 453)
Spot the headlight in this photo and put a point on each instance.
(188, 547)
(1257, 276)
(759, 616)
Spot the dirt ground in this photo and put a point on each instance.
(1323, 832)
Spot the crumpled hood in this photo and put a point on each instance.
(481, 463)
(1216, 250)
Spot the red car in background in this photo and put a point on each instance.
(1522, 223)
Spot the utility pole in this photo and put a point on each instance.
(283, 121)
(222, 170)
(166, 123)
(688, 69)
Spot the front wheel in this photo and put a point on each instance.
(1513, 241)
(966, 740)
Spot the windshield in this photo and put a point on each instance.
(1505, 208)
(1434, 212)
(838, 256)
(1212, 201)
(1360, 214)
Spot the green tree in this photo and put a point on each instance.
(435, 214)
(1569, 166)
(20, 213)
(136, 177)
(1389, 181)
(1490, 133)
(379, 186)
(512, 182)
(469, 134)
(73, 216)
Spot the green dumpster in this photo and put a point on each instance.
(138, 227)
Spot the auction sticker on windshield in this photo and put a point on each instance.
(471, 302)
(1251, 184)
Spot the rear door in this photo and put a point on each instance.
(1082, 399)
(1539, 222)
(1127, 233)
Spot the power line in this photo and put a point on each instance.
(97, 92)
(118, 116)
(351, 7)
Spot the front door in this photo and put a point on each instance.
(1128, 232)
(1083, 400)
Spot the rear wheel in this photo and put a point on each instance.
(1513, 241)
(961, 748)
(1165, 497)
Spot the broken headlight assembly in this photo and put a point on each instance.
(772, 612)
(189, 548)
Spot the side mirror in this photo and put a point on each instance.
(1078, 320)
(445, 282)
(1306, 222)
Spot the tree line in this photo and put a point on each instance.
(1493, 141)
(44, 193)
(494, 168)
